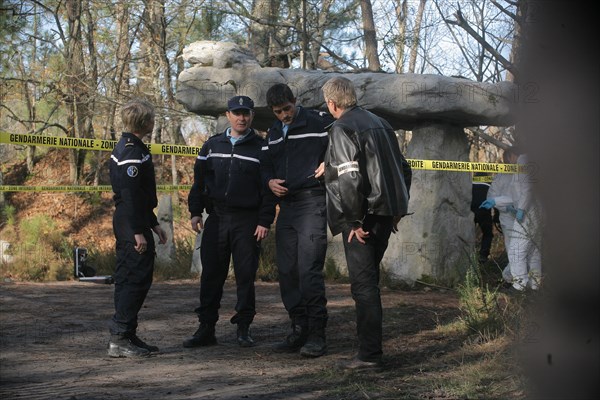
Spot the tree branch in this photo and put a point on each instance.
(460, 47)
(461, 22)
(504, 10)
(478, 132)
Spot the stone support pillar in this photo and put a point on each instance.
(438, 238)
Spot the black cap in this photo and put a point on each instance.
(239, 102)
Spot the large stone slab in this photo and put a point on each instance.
(222, 70)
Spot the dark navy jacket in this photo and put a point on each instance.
(133, 182)
(295, 157)
(229, 176)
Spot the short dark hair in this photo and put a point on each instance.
(279, 93)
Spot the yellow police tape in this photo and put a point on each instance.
(463, 166)
(483, 179)
(76, 188)
(182, 150)
(91, 144)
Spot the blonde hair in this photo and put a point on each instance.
(341, 91)
(137, 116)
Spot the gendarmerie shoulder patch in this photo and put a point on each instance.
(132, 171)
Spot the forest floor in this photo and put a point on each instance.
(53, 339)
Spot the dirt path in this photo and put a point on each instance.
(53, 345)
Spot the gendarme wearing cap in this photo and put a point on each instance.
(240, 102)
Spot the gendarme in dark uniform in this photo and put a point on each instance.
(297, 143)
(228, 185)
(134, 186)
(483, 216)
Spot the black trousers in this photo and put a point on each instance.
(133, 276)
(228, 233)
(363, 268)
(483, 218)
(301, 242)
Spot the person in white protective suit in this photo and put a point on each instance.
(520, 219)
(499, 197)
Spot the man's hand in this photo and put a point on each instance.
(320, 170)
(261, 232)
(395, 221)
(162, 235)
(140, 243)
(197, 224)
(359, 234)
(277, 188)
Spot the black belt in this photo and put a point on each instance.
(304, 194)
(221, 208)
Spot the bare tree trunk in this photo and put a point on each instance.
(479, 8)
(304, 34)
(92, 79)
(31, 99)
(401, 15)
(1, 193)
(120, 77)
(415, 39)
(370, 36)
(76, 86)
(157, 26)
(123, 71)
(261, 33)
(318, 35)
(515, 52)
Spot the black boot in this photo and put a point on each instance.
(294, 341)
(315, 345)
(140, 343)
(204, 336)
(123, 346)
(244, 338)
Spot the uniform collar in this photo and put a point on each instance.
(249, 133)
(299, 118)
(132, 138)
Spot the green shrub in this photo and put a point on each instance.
(484, 310)
(8, 214)
(40, 229)
(331, 270)
(40, 252)
(36, 262)
(267, 264)
(180, 266)
(102, 261)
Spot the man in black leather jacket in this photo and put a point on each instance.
(368, 182)
(297, 142)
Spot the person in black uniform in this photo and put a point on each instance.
(368, 182)
(482, 216)
(296, 147)
(228, 185)
(134, 186)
